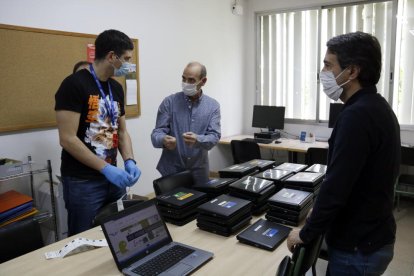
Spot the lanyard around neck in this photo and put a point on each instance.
(109, 105)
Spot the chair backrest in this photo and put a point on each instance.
(317, 156)
(170, 182)
(112, 208)
(306, 255)
(244, 151)
(407, 156)
(19, 238)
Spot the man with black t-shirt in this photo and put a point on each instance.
(90, 115)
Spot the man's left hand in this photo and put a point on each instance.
(133, 171)
(293, 239)
(190, 138)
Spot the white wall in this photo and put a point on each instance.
(170, 33)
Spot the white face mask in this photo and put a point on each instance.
(189, 89)
(330, 87)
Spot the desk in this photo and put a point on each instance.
(230, 256)
(292, 145)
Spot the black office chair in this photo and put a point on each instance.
(317, 156)
(405, 181)
(244, 151)
(303, 258)
(112, 208)
(19, 238)
(170, 182)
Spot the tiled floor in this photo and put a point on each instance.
(403, 262)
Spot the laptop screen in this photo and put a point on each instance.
(135, 232)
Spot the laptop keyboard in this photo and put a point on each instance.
(164, 261)
(259, 140)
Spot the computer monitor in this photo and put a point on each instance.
(334, 110)
(270, 117)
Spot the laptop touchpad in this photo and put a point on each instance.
(179, 269)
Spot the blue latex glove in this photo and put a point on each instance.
(133, 170)
(116, 176)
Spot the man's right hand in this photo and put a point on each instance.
(116, 176)
(169, 142)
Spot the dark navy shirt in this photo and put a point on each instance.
(355, 203)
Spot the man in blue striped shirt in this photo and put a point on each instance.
(187, 127)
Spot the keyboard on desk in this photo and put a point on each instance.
(259, 140)
(163, 261)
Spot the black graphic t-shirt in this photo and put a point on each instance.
(80, 93)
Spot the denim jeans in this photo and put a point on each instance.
(355, 263)
(83, 199)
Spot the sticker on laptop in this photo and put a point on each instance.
(183, 195)
(270, 232)
(212, 181)
(227, 204)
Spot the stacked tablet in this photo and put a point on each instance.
(289, 206)
(277, 176)
(264, 234)
(215, 186)
(179, 206)
(238, 170)
(261, 164)
(319, 168)
(224, 215)
(254, 189)
(305, 181)
(293, 167)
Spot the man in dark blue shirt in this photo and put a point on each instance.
(355, 203)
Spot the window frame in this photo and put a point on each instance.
(391, 61)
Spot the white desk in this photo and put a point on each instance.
(293, 146)
(230, 256)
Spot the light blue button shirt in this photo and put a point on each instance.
(177, 115)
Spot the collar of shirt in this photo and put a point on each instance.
(188, 99)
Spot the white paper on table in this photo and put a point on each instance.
(76, 246)
(131, 92)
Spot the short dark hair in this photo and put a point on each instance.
(79, 64)
(112, 40)
(359, 49)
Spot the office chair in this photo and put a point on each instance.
(405, 182)
(112, 208)
(244, 151)
(170, 182)
(19, 238)
(317, 156)
(303, 258)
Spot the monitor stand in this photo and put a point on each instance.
(273, 135)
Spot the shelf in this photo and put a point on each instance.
(30, 169)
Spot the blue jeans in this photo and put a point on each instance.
(83, 199)
(355, 263)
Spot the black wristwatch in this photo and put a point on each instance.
(135, 162)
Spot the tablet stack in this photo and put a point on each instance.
(305, 181)
(293, 167)
(238, 170)
(319, 168)
(254, 189)
(289, 206)
(264, 234)
(261, 164)
(179, 206)
(215, 186)
(277, 176)
(224, 215)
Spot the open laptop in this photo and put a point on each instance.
(139, 241)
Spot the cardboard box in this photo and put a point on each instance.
(9, 167)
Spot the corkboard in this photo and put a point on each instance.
(33, 64)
